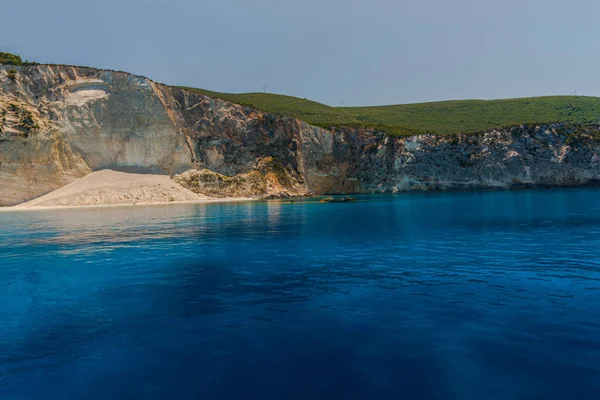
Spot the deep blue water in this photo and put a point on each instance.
(490, 295)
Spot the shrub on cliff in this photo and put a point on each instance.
(13, 59)
(27, 122)
(12, 74)
(10, 59)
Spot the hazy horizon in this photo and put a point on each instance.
(383, 52)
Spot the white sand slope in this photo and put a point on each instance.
(109, 188)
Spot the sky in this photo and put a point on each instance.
(369, 52)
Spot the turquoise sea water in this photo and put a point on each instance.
(490, 295)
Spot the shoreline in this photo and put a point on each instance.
(217, 200)
(20, 208)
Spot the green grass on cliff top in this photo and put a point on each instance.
(444, 117)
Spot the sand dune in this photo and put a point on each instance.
(109, 188)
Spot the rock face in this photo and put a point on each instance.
(268, 179)
(522, 156)
(60, 123)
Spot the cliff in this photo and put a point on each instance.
(60, 123)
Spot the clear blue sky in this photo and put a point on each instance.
(359, 52)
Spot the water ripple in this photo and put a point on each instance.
(467, 295)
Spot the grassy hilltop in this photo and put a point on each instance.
(444, 117)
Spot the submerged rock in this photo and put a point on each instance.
(345, 199)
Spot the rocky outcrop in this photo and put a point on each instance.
(268, 179)
(60, 123)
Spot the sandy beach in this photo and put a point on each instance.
(109, 188)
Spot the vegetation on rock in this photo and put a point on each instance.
(27, 123)
(13, 59)
(12, 74)
(23, 120)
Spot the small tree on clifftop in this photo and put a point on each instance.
(13, 59)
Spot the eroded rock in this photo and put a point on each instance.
(268, 179)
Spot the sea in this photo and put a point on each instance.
(478, 295)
